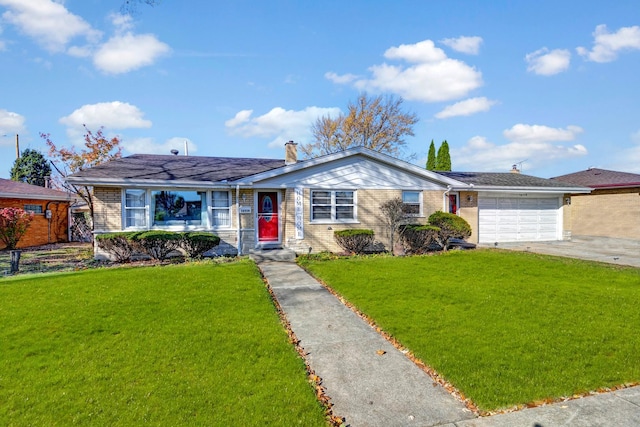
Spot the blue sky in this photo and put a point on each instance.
(552, 86)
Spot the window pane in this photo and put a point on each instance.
(411, 196)
(344, 197)
(135, 198)
(221, 218)
(178, 207)
(321, 212)
(412, 209)
(36, 209)
(220, 199)
(135, 218)
(321, 197)
(344, 212)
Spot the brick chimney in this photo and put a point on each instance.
(514, 169)
(290, 153)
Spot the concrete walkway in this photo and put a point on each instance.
(371, 388)
(366, 388)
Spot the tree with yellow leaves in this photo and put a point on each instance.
(377, 123)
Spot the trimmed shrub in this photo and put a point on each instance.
(354, 241)
(196, 244)
(419, 239)
(451, 226)
(117, 244)
(157, 244)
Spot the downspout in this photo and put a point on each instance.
(238, 219)
(444, 199)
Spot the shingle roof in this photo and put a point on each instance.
(13, 189)
(505, 179)
(601, 178)
(142, 167)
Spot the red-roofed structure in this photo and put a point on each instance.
(612, 209)
(50, 208)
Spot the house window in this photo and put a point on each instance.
(135, 208)
(36, 209)
(333, 206)
(221, 208)
(412, 202)
(179, 208)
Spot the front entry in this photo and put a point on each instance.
(268, 230)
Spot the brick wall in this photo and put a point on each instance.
(319, 237)
(607, 213)
(468, 210)
(42, 231)
(107, 209)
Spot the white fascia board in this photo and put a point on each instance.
(69, 198)
(547, 190)
(383, 158)
(149, 183)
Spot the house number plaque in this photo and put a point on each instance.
(299, 212)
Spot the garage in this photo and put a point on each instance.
(519, 219)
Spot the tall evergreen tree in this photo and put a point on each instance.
(443, 160)
(431, 158)
(31, 168)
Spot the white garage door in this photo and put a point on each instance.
(504, 219)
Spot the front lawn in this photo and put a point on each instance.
(505, 328)
(196, 344)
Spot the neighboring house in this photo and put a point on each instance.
(262, 203)
(50, 207)
(612, 209)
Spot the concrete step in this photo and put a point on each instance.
(280, 254)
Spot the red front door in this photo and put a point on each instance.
(267, 216)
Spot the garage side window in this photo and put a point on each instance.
(135, 208)
(412, 202)
(333, 206)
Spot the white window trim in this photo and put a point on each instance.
(211, 209)
(420, 202)
(333, 219)
(125, 209)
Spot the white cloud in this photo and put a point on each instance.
(10, 123)
(48, 22)
(606, 45)
(539, 133)
(470, 45)
(537, 145)
(149, 146)
(52, 26)
(466, 108)
(547, 63)
(128, 52)
(431, 77)
(279, 124)
(110, 115)
(340, 79)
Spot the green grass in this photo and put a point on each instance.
(195, 344)
(505, 328)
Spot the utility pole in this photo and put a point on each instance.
(17, 146)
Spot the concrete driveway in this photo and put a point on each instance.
(603, 249)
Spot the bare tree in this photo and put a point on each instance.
(378, 123)
(395, 215)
